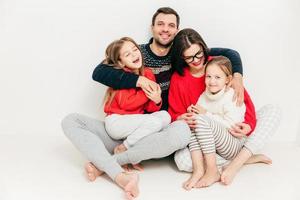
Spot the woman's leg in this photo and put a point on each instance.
(268, 119)
(157, 145)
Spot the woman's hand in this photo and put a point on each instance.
(237, 84)
(240, 130)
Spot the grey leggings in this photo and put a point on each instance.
(90, 137)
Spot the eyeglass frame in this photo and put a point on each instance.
(200, 52)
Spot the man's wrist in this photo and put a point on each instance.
(139, 81)
(237, 75)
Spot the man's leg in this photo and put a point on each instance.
(268, 118)
(90, 137)
(157, 145)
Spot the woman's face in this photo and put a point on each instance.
(194, 57)
(130, 56)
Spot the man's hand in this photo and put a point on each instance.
(237, 84)
(146, 84)
(240, 130)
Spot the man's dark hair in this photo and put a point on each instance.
(166, 11)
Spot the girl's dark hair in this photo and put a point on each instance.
(182, 41)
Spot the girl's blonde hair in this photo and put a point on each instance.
(224, 64)
(112, 58)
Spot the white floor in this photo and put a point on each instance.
(42, 168)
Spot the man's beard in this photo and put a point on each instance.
(163, 45)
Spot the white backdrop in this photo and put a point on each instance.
(49, 48)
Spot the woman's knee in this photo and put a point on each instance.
(180, 133)
(183, 160)
(69, 120)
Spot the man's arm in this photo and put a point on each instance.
(115, 78)
(232, 55)
(237, 69)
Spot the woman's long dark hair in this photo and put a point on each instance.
(182, 41)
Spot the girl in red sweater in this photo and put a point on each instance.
(125, 108)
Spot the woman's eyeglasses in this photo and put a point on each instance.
(190, 59)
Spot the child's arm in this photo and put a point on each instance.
(130, 99)
(155, 101)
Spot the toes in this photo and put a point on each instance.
(91, 176)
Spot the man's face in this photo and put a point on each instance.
(164, 29)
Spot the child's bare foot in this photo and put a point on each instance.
(259, 158)
(92, 172)
(229, 173)
(120, 148)
(191, 182)
(210, 177)
(129, 182)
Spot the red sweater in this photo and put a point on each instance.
(132, 101)
(185, 90)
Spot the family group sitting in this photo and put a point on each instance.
(173, 94)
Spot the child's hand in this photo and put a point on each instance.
(154, 95)
(189, 109)
(197, 109)
(189, 118)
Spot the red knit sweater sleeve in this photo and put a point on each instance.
(250, 115)
(176, 103)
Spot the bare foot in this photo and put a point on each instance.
(129, 182)
(232, 169)
(119, 149)
(138, 167)
(259, 158)
(209, 178)
(92, 172)
(191, 182)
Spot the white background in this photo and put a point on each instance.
(49, 48)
